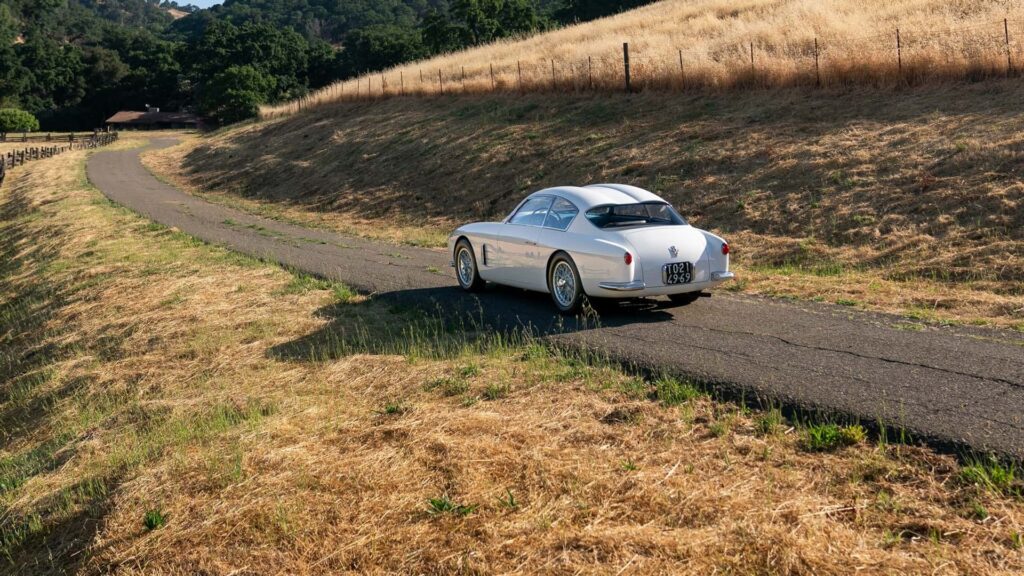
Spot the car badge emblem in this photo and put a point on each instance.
(672, 251)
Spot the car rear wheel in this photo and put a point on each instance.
(685, 298)
(564, 283)
(465, 267)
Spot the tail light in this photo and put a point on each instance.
(627, 258)
(725, 249)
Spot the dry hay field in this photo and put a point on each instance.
(168, 407)
(905, 201)
(720, 44)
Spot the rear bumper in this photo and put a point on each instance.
(622, 286)
(639, 289)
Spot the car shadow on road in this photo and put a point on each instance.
(445, 321)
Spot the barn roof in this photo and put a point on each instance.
(130, 117)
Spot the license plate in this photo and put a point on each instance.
(677, 273)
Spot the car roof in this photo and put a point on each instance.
(587, 197)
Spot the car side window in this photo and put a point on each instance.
(561, 214)
(532, 212)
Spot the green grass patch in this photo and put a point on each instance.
(304, 283)
(829, 437)
(154, 518)
(445, 505)
(993, 475)
(672, 392)
(769, 423)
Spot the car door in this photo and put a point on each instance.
(554, 235)
(520, 259)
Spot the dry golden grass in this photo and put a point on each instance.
(689, 44)
(272, 423)
(910, 203)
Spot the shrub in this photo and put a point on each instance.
(14, 120)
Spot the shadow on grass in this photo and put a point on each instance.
(49, 536)
(50, 539)
(445, 322)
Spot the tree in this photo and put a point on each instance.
(439, 34)
(11, 73)
(379, 47)
(236, 94)
(14, 120)
(53, 74)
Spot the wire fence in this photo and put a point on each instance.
(895, 57)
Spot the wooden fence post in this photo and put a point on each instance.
(383, 85)
(590, 72)
(899, 53)
(553, 84)
(492, 76)
(401, 81)
(463, 78)
(751, 58)
(682, 74)
(625, 63)
(817, 68)
(1006, 35)
(519, 66)
(440, 82)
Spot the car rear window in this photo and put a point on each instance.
(641, 214)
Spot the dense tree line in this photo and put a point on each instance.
(73, 63)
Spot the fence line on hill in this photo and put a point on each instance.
(15, 158)
(900, 56)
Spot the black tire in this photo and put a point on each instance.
(567, 289)
(685, 298)
(469, 279)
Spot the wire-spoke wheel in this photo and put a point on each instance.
(564, 283)
(465, 267)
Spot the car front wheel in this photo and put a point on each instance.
(465, 267)
(565, 285)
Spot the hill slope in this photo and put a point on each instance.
(678, 44)
(858, 189)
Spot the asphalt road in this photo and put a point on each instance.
(955, 387)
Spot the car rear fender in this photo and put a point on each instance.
(601, 260)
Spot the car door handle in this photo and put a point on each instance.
(531, 243)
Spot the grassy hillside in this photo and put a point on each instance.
(904, 200)
(231, 417)
(683, 44)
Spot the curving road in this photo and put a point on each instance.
(954, 387)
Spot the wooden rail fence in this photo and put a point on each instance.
(28, 154)
(6, 137)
